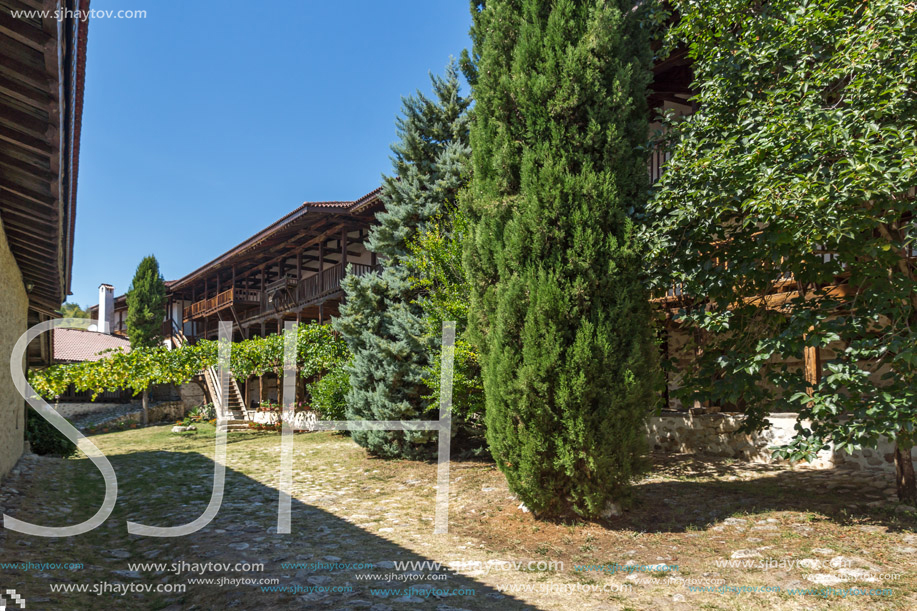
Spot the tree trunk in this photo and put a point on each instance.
(261, 394)
(904, 474)
(146, 408)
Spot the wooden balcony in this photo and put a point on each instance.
(282, 295)
(326, 282)
(226, 299)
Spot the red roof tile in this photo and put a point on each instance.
(73, 345)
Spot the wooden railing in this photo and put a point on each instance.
(221, 300)
(327, 281)
(285, 281)
(307, 290)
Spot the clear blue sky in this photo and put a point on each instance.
(207, 121)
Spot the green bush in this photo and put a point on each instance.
(329, 394)
(44, 438)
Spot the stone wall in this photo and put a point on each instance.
(74, 410)
(14, 305)
(167, 411)
(715, 435)
(193, 394)
(302, 420)
(190, 395)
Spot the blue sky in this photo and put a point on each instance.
(205, 122)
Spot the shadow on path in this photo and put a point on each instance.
(326, 563)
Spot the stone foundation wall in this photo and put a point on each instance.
(189, 395)
(715, 435)
(301, 420)
(73, 410)
(167, 411)
(193, 394)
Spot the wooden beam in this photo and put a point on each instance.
(23, 192)
(30, 242)
(25, 141)
(25, 94)
(40, 173)
(28, 219)
(311, 242)
(23, 32)
(22, 120)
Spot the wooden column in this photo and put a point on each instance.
(263, 298)
(321, 263)
(811, 367)
(344, 246)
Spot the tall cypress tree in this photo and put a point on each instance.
(558, 308)
(381, 320)
(146, 302)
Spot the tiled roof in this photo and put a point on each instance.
(72, 345)
(367, 199)
(329, 207)
(327, 204)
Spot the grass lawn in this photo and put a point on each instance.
(694, 524)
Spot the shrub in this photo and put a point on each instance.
(45, 439)
(329, 394)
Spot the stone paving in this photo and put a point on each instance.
(350, 511)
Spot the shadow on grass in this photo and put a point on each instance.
(683, 493)
(324, 563)
(698, 492)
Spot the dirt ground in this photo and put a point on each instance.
(701, 534)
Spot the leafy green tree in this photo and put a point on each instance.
(146, 308)
(796, 175)
(558, 307)
(443, 289)
(382, 321)
(73, 310)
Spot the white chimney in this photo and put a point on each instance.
(106, 308)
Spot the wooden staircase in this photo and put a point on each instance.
(234, 411)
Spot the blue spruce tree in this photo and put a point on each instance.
(381, 320)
